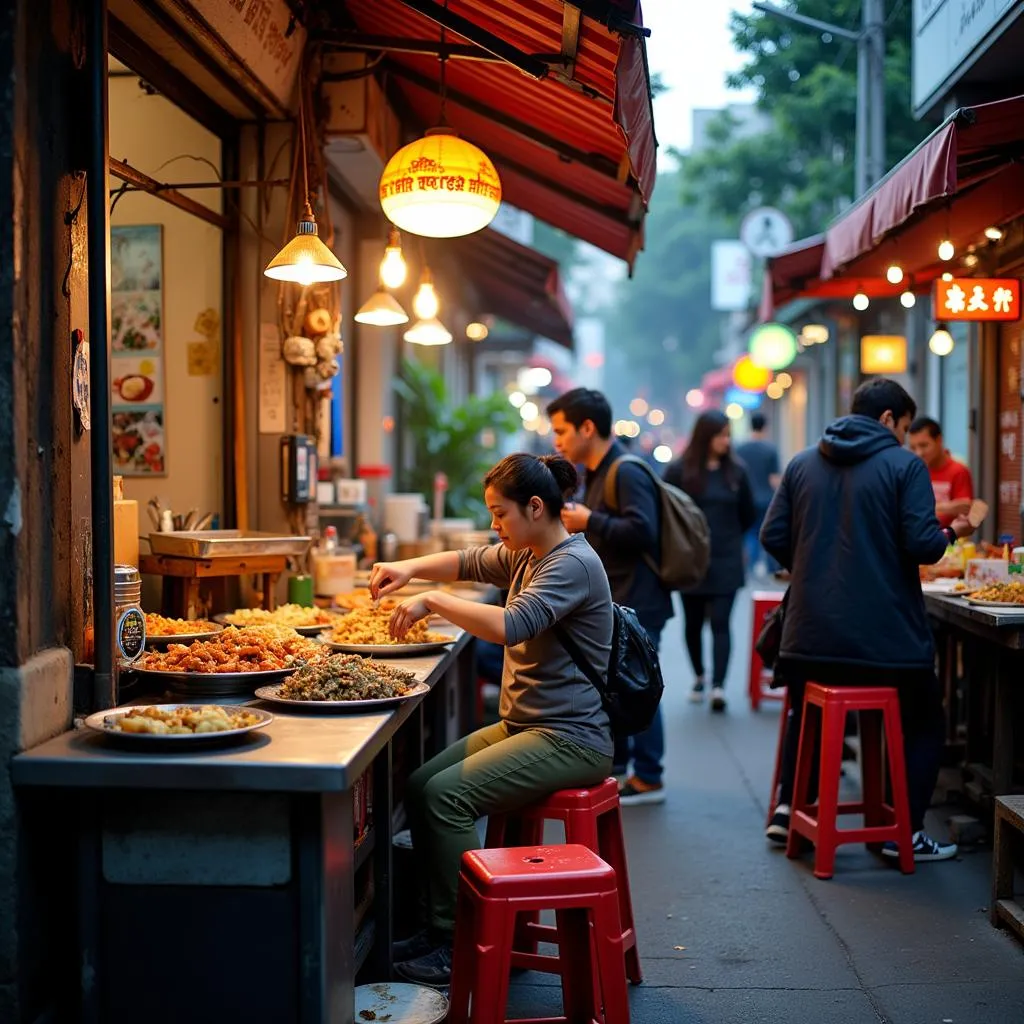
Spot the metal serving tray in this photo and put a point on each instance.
(222, 543)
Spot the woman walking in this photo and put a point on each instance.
(718, 483)
(554, 733)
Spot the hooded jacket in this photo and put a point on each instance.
(853, 519)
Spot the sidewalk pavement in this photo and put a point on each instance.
(732, 932)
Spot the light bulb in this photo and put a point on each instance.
(656, 417)
(861, 302)
(529, 410)
(638, 407)
(947, 276)
(695, 398)
(946, 250)
(907, 300)
(426, 304)
(894, 274)
(517, 399)
(662, 453)
(393, 269)
(775, 390)
(734, 411)
(993, 234)
(784, 380)
(941, 342)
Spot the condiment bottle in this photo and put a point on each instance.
(130, 622)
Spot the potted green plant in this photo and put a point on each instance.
(457, 440)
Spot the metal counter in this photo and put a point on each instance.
(1005, 628)
(237, 869)
(299, 752)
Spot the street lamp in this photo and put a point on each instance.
(870, 40)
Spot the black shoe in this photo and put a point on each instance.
(697, 693)
(778, 828)
(434, 969)
(717, 698)
(412, 948)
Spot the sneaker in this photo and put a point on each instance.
(636, 791)
(925, 849)
(434, 969)
(413, 947)
(717, 698)
(778, 828)
(697, 693)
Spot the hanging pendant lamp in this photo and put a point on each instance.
(440, 186)
(305, 260)
(428, 332)
(381, 310)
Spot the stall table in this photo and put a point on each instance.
(182, 576)
(992, 642)
(220, 885)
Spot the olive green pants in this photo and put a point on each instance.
(489, 771)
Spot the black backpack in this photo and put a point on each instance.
(633, 691)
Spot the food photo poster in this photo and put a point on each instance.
(137, 350)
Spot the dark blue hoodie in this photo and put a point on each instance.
(853, 519)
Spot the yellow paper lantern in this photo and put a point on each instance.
(883, 353)
(440, 186)
(746, 374)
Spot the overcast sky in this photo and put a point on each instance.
(691, 47)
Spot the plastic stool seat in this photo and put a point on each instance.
(497, 885)
(592, 818)
(825, 710)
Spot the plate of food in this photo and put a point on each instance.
(345, 682)
(161, 631)
(233, 661)
(307, 621)
(183, 725)
(1005, 596)
(366, 631)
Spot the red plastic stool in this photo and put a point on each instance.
(765, 602)
(497, 885)
(825, 710)
(592, 817)
(773, 796)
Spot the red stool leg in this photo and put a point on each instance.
(756, 665)
(806, 750)
(773, 797)
(612, 849)
(871, 772)
(833, 727)
(608, 938)
(581, 982)
(898, 781)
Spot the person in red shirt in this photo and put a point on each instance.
(951, 480)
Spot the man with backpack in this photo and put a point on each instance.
(626, 534)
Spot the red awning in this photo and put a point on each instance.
(516, 283)
(972, 146)
(575, 148)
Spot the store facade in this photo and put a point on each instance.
(163, 137)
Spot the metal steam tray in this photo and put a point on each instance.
(224, 543)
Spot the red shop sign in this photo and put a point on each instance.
(977, 299)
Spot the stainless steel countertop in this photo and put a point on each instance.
(299, 752)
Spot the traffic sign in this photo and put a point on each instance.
(766, 231)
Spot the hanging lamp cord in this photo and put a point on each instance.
(444, 69)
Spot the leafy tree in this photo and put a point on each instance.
(806, 83)
(457, 440)
(661, 332)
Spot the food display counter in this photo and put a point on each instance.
(251, 881)
(981, 665)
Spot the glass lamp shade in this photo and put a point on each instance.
(428, 332)
(381, 310)
(393, 269)
(440, 186)
(305, 259)
(941, 342)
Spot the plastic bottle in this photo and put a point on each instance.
(329, 541)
